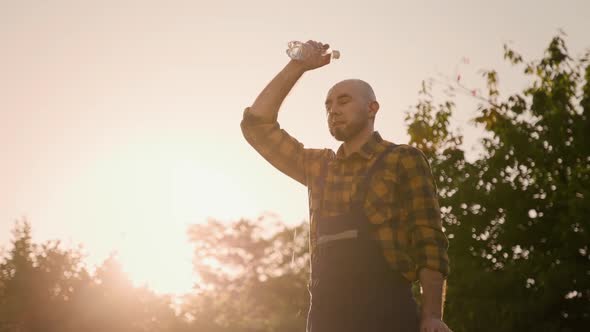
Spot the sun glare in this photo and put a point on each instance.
(163, 198)
(159, 261)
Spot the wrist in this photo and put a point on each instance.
(296, 67)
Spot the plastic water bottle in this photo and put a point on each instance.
(298, 51)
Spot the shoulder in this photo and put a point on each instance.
(402, 154)
(320, 154)
(315, 159)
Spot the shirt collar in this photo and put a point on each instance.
(366, 151)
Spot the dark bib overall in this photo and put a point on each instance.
(353, 288)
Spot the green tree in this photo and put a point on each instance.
(47, 288)
(37, 282)
(253, 276)
(518, 216)
(112, 303)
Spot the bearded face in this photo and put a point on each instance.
(351, 108)
(344, 129)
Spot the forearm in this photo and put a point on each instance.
(433, 293)
(267, 104)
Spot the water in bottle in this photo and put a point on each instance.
(298, 51)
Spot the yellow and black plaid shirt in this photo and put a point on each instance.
(401, 202)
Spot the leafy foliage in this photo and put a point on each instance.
(251, 282)
(517, 216)
(47, 288)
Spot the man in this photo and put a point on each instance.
(375, 219)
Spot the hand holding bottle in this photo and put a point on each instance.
(311, 55)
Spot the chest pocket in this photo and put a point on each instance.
(381, 201)
(337, 197)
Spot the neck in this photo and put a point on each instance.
(355, 143)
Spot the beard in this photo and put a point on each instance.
(345, 132)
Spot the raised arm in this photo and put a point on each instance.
(267, 104)
(262, 131)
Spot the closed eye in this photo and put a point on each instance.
(343, 99)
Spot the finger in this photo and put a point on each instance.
(312, 43)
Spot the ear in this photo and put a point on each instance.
(373, 109)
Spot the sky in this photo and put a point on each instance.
(119, 120)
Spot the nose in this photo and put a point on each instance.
(332, 111)
(330, 115)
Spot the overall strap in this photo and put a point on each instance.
(321, 183)
(363, 186)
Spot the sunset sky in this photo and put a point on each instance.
(119, 120)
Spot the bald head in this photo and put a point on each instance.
(351, 107)
(360, 91)
(359, 87)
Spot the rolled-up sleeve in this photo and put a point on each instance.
(275, 145)
(429, 245)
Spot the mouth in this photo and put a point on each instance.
(337, 123)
